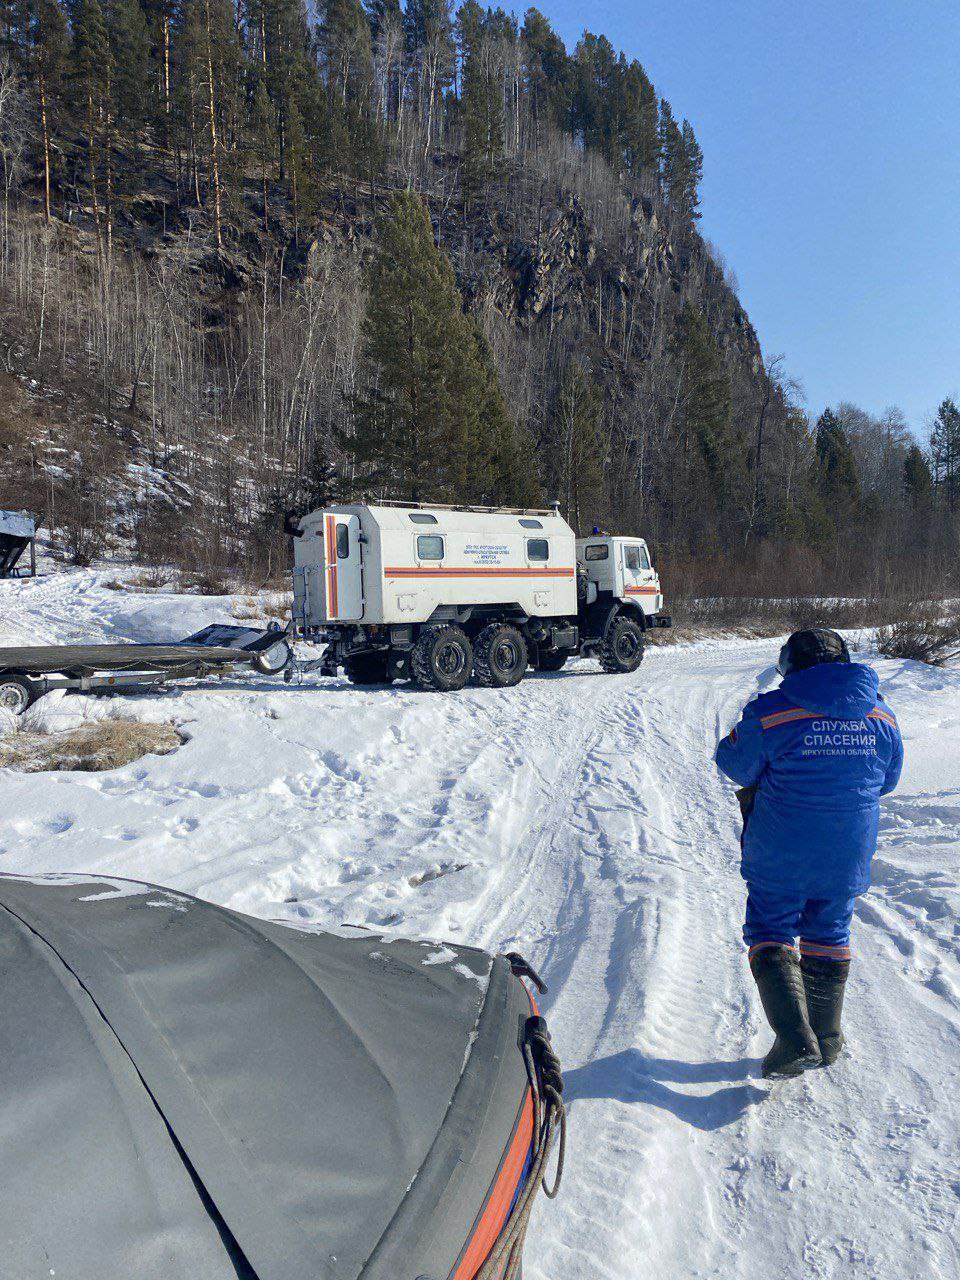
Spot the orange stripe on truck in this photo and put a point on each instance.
(493, 1215)
(642, 591)
(398, 572)
(331, 551)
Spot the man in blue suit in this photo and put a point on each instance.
(814, 757)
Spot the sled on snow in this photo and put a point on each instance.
(189, 1092)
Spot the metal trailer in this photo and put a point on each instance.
(18, 534)
(28, 672)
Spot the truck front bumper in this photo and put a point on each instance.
(661, 620)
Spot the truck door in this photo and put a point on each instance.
(341, 555)
(639, 579)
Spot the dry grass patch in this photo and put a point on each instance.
(930, 633)
(105, 744)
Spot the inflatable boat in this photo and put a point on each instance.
(190, 1092)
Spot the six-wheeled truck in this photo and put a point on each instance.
(438, 594)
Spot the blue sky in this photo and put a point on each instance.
(831, 135)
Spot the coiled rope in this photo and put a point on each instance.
(549, 1121)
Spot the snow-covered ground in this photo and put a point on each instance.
(578, 819)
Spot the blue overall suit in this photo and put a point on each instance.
(821, 750)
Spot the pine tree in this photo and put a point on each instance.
(577, 447)
(837, 481)
(431, 424)
(681, 168)
(481, 101)
(945, 453)
(546, 71)
(45, 52)
(263, 136)
(91, 74)
(130, 53)
(639, 137)
(704, 400)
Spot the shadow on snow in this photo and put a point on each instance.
(630, 1076)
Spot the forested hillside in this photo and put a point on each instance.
(253, 257)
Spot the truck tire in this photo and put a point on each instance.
(368, 668)
(551, 659)
(622, 650)
(16, 694)
(500, 656)
(442, 659)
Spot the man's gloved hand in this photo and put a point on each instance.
(745, 798)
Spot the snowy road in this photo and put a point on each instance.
(578, 819)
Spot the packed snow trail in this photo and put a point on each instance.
(579, 819)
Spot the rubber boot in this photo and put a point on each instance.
(824, 981)
(777, 974)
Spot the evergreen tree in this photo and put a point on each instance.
(546, 72)
(639, 137)
(91, 75)
(945, 453)
(44, 52)
(595, 110)
(704, 400)
(130, 53)
(577, 446)
(263, 137)
(681, 168)
(431, 425)
(482, 100)
(837, 481)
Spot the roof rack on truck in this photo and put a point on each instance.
(552, 510)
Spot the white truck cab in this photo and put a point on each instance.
(439, 593)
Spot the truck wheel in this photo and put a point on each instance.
(368, 668)
(442, 659)
(551, 659)
(623, 648)
(500, 656)
(16, 694)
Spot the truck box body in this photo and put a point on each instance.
(393, 565)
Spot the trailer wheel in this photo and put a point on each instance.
(442, 659)
(272, 661)
(16, 694)
(500, 656)
(623, 648)
(551, 659)
(368, 668)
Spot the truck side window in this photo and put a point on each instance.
(599, 551)
(429, 547)
(422, 517)
(531, 524)
(538, 549)
(343, 542)
(633, 558)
